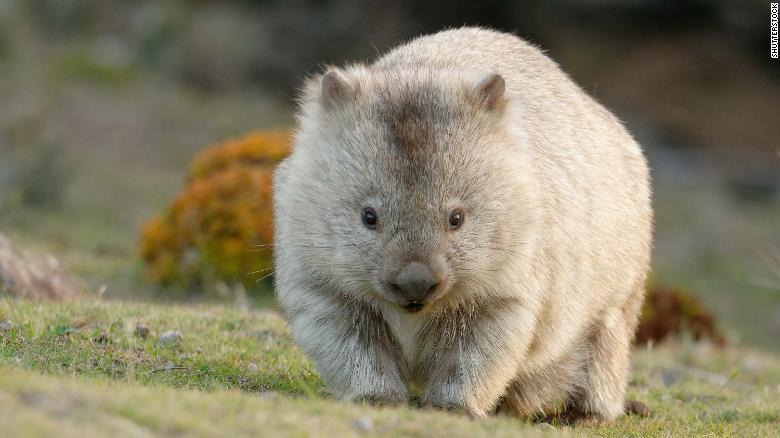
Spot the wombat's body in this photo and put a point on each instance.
(459, 218)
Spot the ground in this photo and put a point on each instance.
(84, 369)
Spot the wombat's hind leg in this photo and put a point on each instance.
(602, 396)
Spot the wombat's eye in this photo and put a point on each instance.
(456, 218)
(369, 218)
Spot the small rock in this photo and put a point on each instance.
(141, 330)
(545, 426)
(363, 424)
(170, 337)
(167, 366)
(670, 377)
(6, 325)
(752, 365)
(252, 367)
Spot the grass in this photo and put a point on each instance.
(81, 369)
(43, 406)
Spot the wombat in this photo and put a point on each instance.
(459, 221)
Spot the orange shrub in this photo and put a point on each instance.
(258, 149)
(220, 227)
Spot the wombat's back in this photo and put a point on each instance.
(479, 49)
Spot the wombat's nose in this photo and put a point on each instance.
(414, 283)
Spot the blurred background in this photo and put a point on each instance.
(104, 103)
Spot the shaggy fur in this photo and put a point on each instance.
(544, 279)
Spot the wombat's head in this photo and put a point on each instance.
(405, 185)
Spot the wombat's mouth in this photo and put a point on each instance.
(413, 307)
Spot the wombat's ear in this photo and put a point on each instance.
(490, 91)
(336, 88)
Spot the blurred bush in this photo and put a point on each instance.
(35, 171)
(104, 64)
(220, 227)
(670, 312)
(5, 49)
(34, 175)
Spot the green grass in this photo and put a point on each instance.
(80, 369)
(215, 351)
